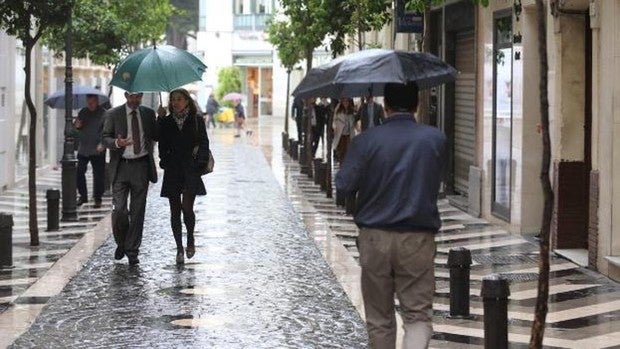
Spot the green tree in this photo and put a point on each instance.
(28, 20)
(106, 30)
(357, 17)
(183, 23)
(228, 80)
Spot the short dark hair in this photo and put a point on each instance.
(401, 97)
(92, 95)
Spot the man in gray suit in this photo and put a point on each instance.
(370, 113)
(130, 131)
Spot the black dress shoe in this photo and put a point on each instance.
(81, 201)
(119, 253)
(97, 204)
(133, 260)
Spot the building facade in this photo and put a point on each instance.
(491, 115)
(47, 77)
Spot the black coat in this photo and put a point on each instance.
(175, 153)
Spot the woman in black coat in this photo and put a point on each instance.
(182, 134)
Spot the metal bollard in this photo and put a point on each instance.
(6, 240)
(494, 293)
(323, 179)
(303, 168)
(350, 201)
(53, 200)
(295, 150)
(317, 172)
(290, 147)
(284, 140)
(459, 262)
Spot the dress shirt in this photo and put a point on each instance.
(396, 168)
(128, 153)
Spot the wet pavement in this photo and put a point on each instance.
(257, 280)
(276, 267)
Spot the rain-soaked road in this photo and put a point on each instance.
(257, 280)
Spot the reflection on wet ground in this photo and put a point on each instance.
(257, 280)
(579, 299)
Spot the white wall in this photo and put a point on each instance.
(7, 110)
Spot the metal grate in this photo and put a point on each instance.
(520, 277)
(505, 259)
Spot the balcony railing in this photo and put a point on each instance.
(250, 21)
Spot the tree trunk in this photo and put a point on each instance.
(423, 105)
(32, 154)
(288, 94)
(309, 55)
(540, 313)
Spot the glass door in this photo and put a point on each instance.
(502, 115)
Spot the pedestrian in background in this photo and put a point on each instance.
(397, 169)
(183, 149)
(370, 113)
(239, 117)
(344, 126)
(130, 131)
(297, 112)
(212, 107)
(89, 124)
(321, 113)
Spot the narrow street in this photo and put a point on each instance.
(276, 267)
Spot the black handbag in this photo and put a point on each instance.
(203, 168)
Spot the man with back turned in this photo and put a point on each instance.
(396, 169)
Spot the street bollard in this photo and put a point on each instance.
(284, 141)
(494, 293)
(290, 147)
(459, 262)
(303, 168)
(295, 150)
(350, 201)
(323, 179)
(6, 240)
(317, 172)
(53, 200)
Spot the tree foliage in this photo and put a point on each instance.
(228, 80)
(28, 20)
(282, 37)
(105, 30)
(183, 22)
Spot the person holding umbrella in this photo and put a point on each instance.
(397, 169)
(130, 131)
(239, 117)
(89, 124)
(183, 149)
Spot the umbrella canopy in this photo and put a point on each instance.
(232, 96)
(368, 71)
(157, 69)
(57, 99)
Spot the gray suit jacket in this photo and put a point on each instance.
(116, 124)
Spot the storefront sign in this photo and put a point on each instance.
(408, 21)
(253, 60)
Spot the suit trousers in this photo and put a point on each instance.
(127, 224)
(98, 164)
(400, 263)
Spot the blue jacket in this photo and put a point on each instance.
(397, 169)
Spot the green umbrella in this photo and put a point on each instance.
(157, 69)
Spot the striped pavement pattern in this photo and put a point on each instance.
(30, 263)
(584, 307)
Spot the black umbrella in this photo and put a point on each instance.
(368, 71)
(57, 99)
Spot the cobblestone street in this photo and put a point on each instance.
(276, 267)
(257, 279)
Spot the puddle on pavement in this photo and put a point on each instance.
(201, 322)
(213, 234)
